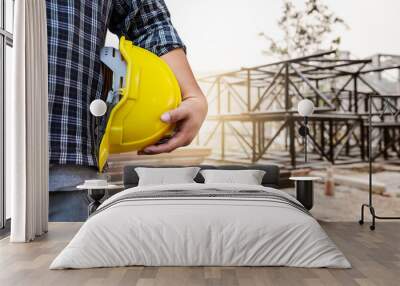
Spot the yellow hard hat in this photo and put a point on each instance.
(148, 90)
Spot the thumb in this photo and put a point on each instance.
(174, 115)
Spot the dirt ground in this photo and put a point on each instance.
(345, 205)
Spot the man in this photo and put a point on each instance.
(76, 34)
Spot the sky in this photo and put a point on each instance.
(223, 34)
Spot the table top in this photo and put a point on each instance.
(108, 187)
(304, 178)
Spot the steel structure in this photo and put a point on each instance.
(253, 111)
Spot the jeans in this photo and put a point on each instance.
(66, 203)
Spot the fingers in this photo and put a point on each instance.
(178, 140)
(188, 118)
(175, 115)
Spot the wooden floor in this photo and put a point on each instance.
(375, 257)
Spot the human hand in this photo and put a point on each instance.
(188, 118)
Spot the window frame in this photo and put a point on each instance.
(6, 39)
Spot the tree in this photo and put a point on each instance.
(305, 31)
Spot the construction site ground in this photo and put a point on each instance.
(346, 202)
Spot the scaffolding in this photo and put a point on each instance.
(253, 111)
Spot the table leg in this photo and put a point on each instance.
(305, 193)
(95, 197)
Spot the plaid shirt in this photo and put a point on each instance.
(76, 34)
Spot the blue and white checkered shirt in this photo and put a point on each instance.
(76, 34)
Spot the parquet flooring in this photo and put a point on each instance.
(375, 257)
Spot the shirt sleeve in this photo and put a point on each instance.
(147, 23)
